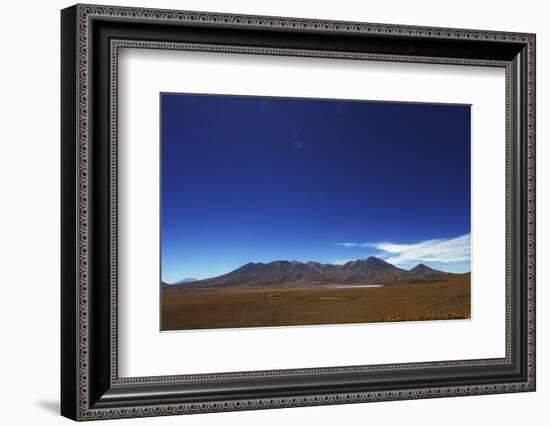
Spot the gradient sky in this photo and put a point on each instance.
(255, 179)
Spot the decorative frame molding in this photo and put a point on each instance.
(91, 388)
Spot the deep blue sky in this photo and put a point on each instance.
(250, 179)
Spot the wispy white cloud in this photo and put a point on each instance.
(350, 244)
(451, 250)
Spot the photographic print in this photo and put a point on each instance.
(281, 211)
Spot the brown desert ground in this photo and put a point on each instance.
(188, 309)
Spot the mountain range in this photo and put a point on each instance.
(293, 274)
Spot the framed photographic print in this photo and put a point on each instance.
(287, 180)
(263, 212)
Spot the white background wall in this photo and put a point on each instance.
(29, 213)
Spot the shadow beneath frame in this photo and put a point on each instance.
(51, 406)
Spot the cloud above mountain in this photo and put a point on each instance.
(452, 250)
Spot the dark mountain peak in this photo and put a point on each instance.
(375, 261)
(422, 268)
(370, 262)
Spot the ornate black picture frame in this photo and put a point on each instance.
(90, 38)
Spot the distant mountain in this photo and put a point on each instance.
(293, 274)
(423, 273)
(421, 268)
(185, 280)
